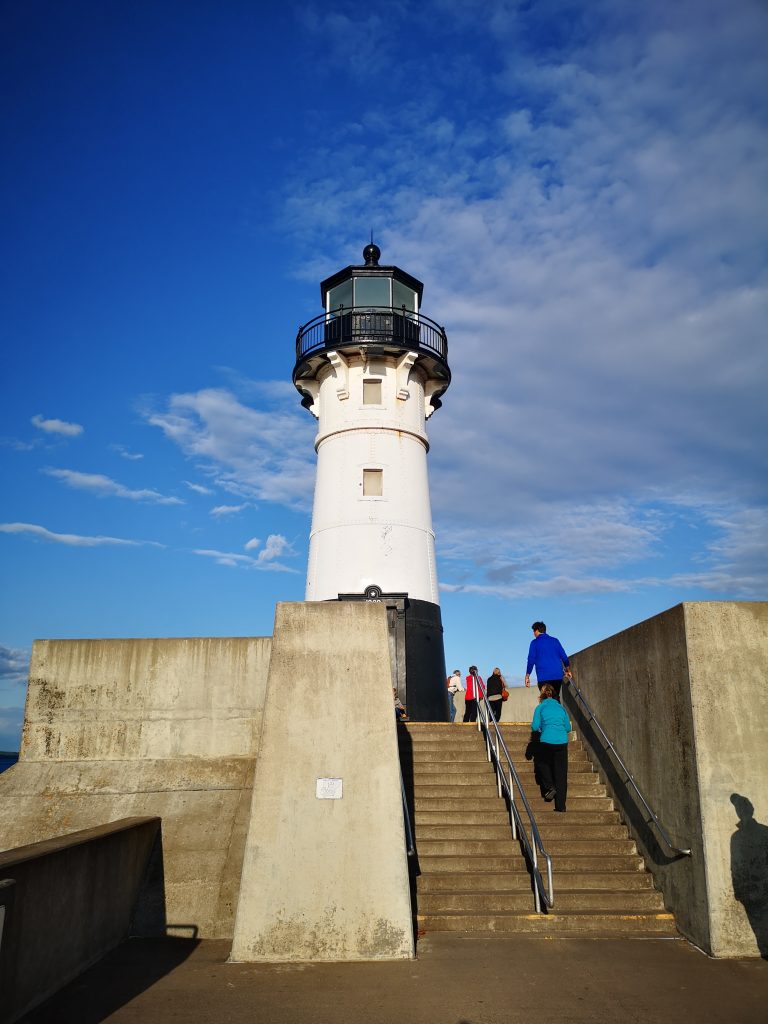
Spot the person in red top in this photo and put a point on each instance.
(474, 690)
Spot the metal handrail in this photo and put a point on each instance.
(653, 819)
(355, 324)
(506, 780)
(410, 845)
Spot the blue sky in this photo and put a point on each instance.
(581, 187)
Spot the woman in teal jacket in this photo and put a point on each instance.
(551, 757)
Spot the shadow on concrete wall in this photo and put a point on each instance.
(749, 869)
(405, 744)
(633, 813)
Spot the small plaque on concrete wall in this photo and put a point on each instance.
(328, 789)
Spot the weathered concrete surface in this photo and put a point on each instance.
(74, 900)
(456, 980)
(519, 708)
(122, 728)
(521, 704)
(728, 659)
(326, 879)
(683, 696)
(100, 700)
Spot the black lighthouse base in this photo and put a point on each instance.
(416, 653)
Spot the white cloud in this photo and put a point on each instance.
(227, 510)
(590, 223)
(263, 453)
(73, 539)
(14, 664)
(57, 426)
(224, 557)
(103, 486)
(198, 488)
(276, 547)
(612, 548)
(126, 453)
(17, 445)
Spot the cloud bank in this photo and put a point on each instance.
(103, 487)
(582, 190)
(73, 539)
(14, 665)
(263, 453)
(275, 548)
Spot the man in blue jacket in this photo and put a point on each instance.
(546, 654)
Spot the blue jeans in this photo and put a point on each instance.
(451, 706)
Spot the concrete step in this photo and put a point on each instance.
(461, 783)
(496, 815)
(501, 829)
(419, 729)
(484, 773)
(456, 766)
(495, 811)
(504, 847)
(470, 742)
(637, 901)
(426, 799)
(520, 880)
(467, 742)
(615, 925)
(431, 861)
(476, 744)
(439, 734)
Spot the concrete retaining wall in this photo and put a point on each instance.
(519, 708)
(74, 900)
(684, 698)
(325, 874)
(118, 728)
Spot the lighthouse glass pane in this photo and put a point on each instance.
(403, 297)
(341, 295)
(372, 291)
(373, 483)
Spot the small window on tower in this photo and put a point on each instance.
(371, 392)
(373, 483)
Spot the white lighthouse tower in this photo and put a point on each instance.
(371, 368)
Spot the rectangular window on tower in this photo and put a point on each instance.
(371, 392)
(373, 483)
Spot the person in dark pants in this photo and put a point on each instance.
(494, 687)
(546, 654)
(551, 757)
(474, 691)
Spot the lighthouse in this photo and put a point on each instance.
(372, 368)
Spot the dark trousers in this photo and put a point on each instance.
(551, 763)
(496, 706)
(557, 683)
(470, 711)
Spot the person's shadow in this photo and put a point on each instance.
(749, 869)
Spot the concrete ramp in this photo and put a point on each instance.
(325, 873)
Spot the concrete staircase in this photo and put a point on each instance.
(473, 874)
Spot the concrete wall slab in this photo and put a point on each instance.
(327, 879)
(683, 697)
(74, 900)
(118, 728)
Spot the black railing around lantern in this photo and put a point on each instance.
(358, 325)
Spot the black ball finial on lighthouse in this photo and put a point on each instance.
(371, 255)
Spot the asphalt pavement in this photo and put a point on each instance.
(455, 980)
